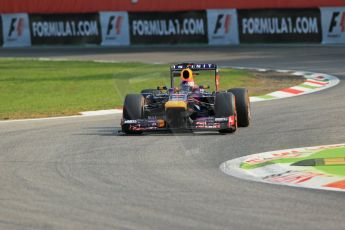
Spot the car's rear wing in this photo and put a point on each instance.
(194, 67)
(175, 71)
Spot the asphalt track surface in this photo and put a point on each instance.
(79, 173)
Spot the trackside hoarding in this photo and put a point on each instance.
(168, 27)
(1, 39)
(65, 29)
(91, 6)
(213, 27)
(15, 29)
(115, 30)
(222, 27)
(333, 24)
(280, 26)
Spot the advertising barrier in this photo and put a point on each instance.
(324, 25)
(333, 24)
(222, 27)
(65, 29)
(16, 32)
(280, 26)
(168, 27)
(90, 6)
(115, 30)
(1, 39)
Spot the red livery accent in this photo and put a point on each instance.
(231, 121)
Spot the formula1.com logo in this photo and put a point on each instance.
(337, 23)
(114, 25)
(222, 24)
(16, 28)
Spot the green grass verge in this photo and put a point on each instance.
(33, 88)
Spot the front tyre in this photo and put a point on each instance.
(242, 106)
(133, 109)
(225, 106)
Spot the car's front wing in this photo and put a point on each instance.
(201, 124)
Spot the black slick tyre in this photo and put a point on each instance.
(242, 106)
(133, 109)
(225, 106)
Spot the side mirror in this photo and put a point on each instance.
(162, 88)
(204, 87)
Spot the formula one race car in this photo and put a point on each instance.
(187, 106)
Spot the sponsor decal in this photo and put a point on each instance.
(221, 119)
(16, 30)
(130, 121)
(168, 27)
(231, 121)
(178, 97)
(292, 177)
(115, 28)
(65, 29)
(222, 27)
(258, 159)
(333, 24)
(205, 125)
(195, 67)
(277, 26)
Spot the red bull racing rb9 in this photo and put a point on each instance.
(186, 106)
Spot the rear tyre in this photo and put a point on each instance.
(225, 106)
(242, 106)
(133, 109)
